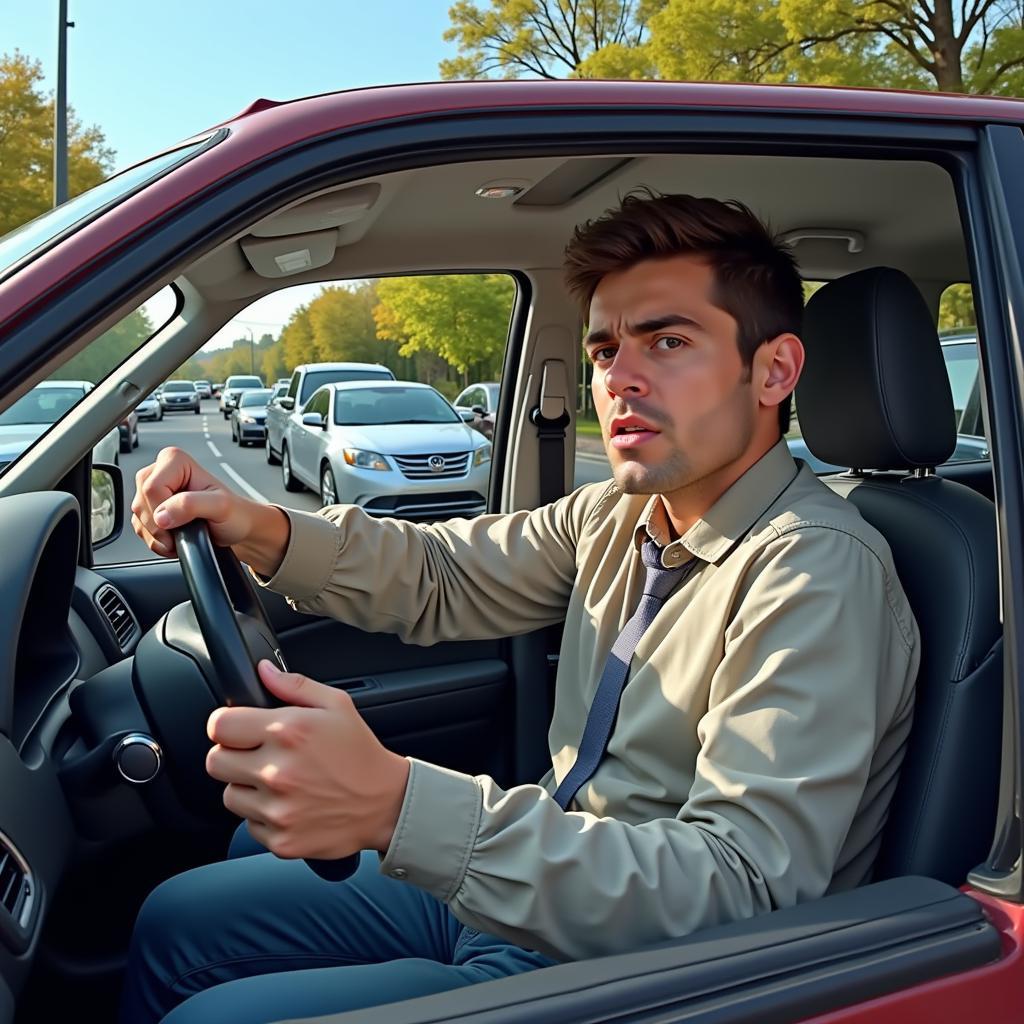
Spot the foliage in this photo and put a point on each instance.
(463, 318)
(110, 349)
(26, 145)
(956, 307)
(546, 38)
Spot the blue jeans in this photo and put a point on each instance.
(255, 939)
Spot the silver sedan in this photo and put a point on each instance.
(395, 448)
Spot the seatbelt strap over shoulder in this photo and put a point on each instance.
(551, 417)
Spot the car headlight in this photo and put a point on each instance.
(247, 419)
(364, 460)
(482, 455)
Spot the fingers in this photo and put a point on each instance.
(240, 728)
(299, 690)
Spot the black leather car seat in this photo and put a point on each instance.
(874, 396)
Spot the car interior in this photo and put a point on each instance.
(884, 234)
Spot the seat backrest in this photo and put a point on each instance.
(874, 396)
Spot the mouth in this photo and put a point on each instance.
(630, 432)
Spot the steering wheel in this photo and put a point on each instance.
(238, 635)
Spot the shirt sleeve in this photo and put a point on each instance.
(815, 669)
(463, 579)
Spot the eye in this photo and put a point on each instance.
(669, 341)
(598, 355)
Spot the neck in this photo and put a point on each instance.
(691, 502)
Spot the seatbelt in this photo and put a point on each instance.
(551, 417)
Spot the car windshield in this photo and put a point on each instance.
(245, 382)
(317, 378)
(364, 407)
(23, 240)
(180, 385)
(260, 397)
(41, 405)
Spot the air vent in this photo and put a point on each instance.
(15, 884)
(116, 612)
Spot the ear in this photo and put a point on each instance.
(777, 367)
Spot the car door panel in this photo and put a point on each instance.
(447, 703)
(787, 966)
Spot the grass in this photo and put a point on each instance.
(588, 427)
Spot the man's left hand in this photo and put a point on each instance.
(311, 779)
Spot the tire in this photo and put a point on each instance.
(124, 446)
(227, 416)
(135, 440)
(328, 486)
(196, 410)
(272, 459)
(287, 476)
(160, 417)
(234, 439)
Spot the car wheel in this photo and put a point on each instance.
(287, 477)
(135, 440)
(196, 410)
(160, 416)
(125, 445)
(234, 440)
(272, 459)
(328, 488)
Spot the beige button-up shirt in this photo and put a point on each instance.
(758, 738)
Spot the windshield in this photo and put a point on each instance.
(317, 378)
(180, 385)
(364, 407)
(41, 405)
(260, 397)
(244, 382)
(21, 241)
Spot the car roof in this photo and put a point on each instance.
(341, 366)
(65, 384)
(356, 385)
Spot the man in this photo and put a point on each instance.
(769, 651)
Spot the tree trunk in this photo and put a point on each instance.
(947, 48)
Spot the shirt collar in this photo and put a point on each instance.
(715, 534)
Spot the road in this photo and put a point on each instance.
(207, 438)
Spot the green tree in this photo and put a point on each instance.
(110, 349)
(956, 308)
(462, 318)
(968, 46)
(26, 145)
(544, 38)
(342, 323)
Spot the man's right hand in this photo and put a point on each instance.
(175, 489)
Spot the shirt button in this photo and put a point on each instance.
(398, 873)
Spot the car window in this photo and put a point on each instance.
(448, 331)
(37, 233)
(258, 396)
(377, 406)
(179, 385)
(70, 382)
(318, 404)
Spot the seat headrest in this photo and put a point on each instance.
(874, 393)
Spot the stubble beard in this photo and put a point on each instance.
(672, 474)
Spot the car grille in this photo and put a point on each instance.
(183, 400)
(428, 506)
(419, 467)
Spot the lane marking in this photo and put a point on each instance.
(244, 484)
(213, 448)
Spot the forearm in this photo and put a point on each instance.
(267, 541)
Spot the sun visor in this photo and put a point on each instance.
(330, 210)
(292, 254)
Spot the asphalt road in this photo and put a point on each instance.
(207, 438)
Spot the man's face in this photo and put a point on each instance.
(675, 401)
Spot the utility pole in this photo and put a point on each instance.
(252, 357)
(60, 113)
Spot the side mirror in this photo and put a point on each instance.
(287, 403)
(106, 505)
(467, 414)
(313, 419)
(479, 410)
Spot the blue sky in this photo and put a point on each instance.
(151, 73)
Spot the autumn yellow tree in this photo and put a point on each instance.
(26, 145)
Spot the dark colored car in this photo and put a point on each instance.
(128, 432)
(249, 417)
(108, 681)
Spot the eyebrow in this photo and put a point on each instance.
(659, 323)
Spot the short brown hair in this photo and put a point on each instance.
(756, 278)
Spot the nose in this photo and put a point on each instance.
(626, 376)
